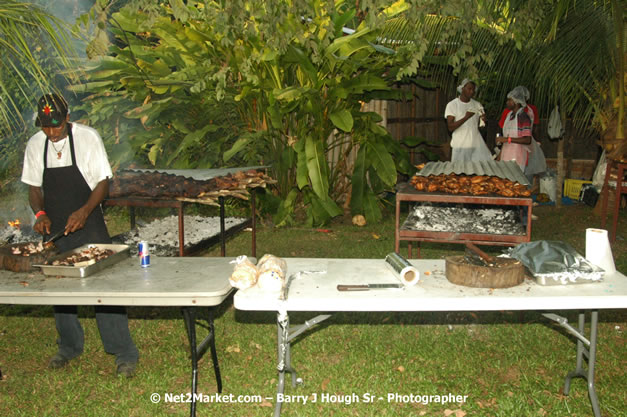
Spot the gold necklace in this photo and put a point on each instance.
(58, 151)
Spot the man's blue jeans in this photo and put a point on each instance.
(113, 326)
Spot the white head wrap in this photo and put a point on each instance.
(518, 95)
(521, 89)
(463, 84)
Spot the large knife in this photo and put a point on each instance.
(49, 243)
(367, 287)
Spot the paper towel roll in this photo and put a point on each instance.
(408, 274)
(598, 250)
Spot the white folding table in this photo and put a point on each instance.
(313, 288)
(189, 283)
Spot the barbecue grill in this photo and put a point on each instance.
(176, 188)
(455, 234)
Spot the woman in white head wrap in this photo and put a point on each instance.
(463, 115)
(537, 160)
(516, 130)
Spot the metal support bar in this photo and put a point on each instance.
(285, 335)
(585, 349)
(198, 351)
(253, 216)
(222, 234)
(181, 214)
(131, 214)
(563, 321)
(298, 330)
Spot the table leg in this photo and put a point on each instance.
(198, 351)
(285, 335)
(590, 354)
(529, 219)
(181, 230)
(131, 215)
(254, 222)
(617, 200)
(586, 349)
(397, 232)
(222, 232)
(283, 324)
(605, 190)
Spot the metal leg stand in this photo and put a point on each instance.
(131, 215)
(285, 335)
(254, 222)
(198, 351)
(222, 228)
(585, 348)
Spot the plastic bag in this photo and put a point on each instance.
(555, 128)
(599, 172)
(537, 161)
(244, 273)
(271, 273)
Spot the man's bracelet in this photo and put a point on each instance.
(39, 213)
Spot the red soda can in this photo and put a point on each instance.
(144, 254)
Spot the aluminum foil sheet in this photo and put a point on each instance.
(501, 169)
(556, 262)
(470, 218)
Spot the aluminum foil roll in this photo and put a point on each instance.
(407, 273)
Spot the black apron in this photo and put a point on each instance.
(65, 191)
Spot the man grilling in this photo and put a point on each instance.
(66, 167)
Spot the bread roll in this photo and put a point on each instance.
(271, 273)
(244, 273)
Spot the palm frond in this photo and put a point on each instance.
(35, 47)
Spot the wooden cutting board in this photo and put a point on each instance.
(20, 263)
(504, 274)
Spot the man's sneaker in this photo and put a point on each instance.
(127, 369)
(57, 362)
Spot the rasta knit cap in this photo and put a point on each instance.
(52, 110)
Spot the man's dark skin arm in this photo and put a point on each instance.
(525, 140)
(36, 200)
(453, 125)
(77, 219)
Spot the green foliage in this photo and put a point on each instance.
(207, 84)
(146, 99)
(37, 57)
(279, 83)
(567, 52)
(35, 47)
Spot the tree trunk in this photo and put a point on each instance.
(560, 172)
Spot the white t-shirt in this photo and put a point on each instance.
(467, 142)
(91, 156)
(467, 135)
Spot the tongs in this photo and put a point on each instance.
(49, 243)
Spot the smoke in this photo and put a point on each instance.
(15, 206)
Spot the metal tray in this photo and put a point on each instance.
(121, 252)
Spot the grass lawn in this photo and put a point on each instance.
(507, 363)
